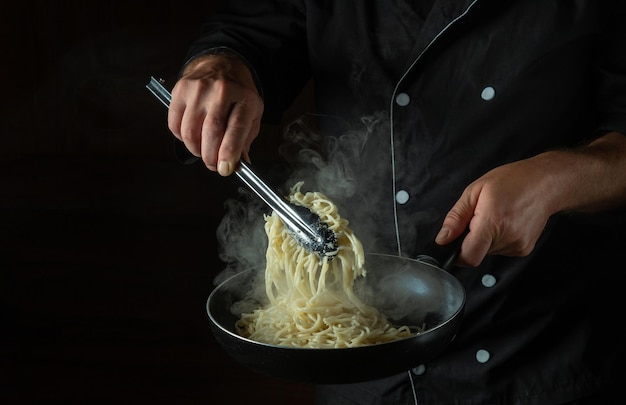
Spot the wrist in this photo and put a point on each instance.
(224, 63)
(587, 179)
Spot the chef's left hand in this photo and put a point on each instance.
(506, 210)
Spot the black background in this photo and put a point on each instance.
(107, 243)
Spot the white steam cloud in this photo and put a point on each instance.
(350, 169)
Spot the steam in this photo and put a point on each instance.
(346, 168)
(350, 169)
(241, 237)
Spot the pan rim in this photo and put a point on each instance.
(452, 318)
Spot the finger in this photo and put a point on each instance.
(476, 244)
(241, 130)
(212, 134)
(214, 130)
(191, 131)
(456, 221)
(254, 131)
(188, 109)
(175, 117)
(184, 118)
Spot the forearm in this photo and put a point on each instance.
(270, 36)
(591, 178)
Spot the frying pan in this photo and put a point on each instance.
(408, 291)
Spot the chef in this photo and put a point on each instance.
(499, 124)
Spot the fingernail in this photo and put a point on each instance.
(223, 168)
(442, 235)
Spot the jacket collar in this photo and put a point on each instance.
(444, 14)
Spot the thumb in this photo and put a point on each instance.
(455, 223)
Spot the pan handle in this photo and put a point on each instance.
(447, 253)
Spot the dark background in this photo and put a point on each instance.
(107, 243)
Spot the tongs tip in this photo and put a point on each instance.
(321, 240)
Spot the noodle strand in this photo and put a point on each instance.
(311, 299)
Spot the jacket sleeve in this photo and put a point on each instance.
(611, 68)
(271, 37)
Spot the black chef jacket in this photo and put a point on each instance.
(445, 94)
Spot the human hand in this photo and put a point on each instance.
(506, 211)
(216, 111)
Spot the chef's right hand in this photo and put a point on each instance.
(216, 111)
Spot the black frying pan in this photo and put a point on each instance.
(407, 291)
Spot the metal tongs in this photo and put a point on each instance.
(305, 226)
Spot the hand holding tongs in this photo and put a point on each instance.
(305, 226)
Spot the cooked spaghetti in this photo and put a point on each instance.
(311, 299)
